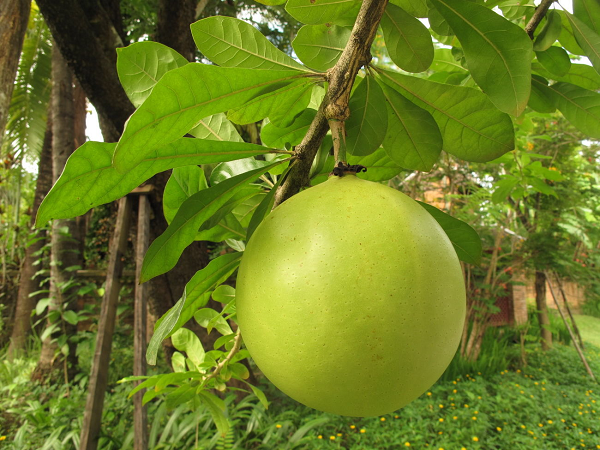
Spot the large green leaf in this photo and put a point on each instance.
(195, 295)
(446, 61)
(588, 11)
(186, 341)
(549, 33)
(89, 179)
(368, 121)
(231, 42)
(566, 38)
(579, 106)
(413, 138)
(417, 8)
(216, 128)
(142, 64)
(407, 40)
(472, 128)
(184, 96)
(320, 46)
(293, 97)
(541, 99)
(497, 51)
(277, 137)
(556, 60)
(580, 74)
(316, 12)
(183, 183)
(164, 252)
(464, 238)
(587, 39)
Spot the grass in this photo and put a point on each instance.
(589, 327)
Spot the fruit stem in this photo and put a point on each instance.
(338, 134)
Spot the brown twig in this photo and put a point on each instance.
(335, 104)
(537, 17)
(237, 343)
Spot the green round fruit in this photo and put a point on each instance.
(350, 298)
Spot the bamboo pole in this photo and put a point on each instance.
(575, 327)
(562, 315)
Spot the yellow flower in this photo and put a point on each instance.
(339, 434)
(319, 437)
(362, 430)
(407, 444)
(441, 406)
(278, 425)
(429, 393)
(396, 417)
(441, 419)
(382, 419)
(474, 418)
(353, 426)
(440, 432)
(475, 438)
(550, 422)
(540, 425)
(466, 406)
(455, 417)
(454, 391)
(498, 428)
(2, 438)
(332, 438)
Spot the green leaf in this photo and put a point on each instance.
(230, 169)
(186, 341)
(316, 12)
(503, 188)
(516, 9)
(549, 33)
(271, 2)
(566, 38)
(216, 407)
(183, 183)
(320, 46)
(216, 128)
(541, 99)
(196, 294)
(142, 64)
(588, 11)
(541, 187)
(380, 167)
(464, 238)
(164, 252)
(579, 106)
(209, 319)
(368, 121)
(260, 395)
(178, 361)
(231, 42)
(446, 61)
(417, 8)
(472, 128)
(587, 39)
(179, 396)
(497, 51)
(407, 40)
(556, 60)
(224, 294)
(580, 74)
(265, 104)
(181, 98)
(89, 179)
(413, 138)
(71, 317)
(277, 137)
(438, 24)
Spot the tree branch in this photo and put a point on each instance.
(537, 17)
(335, 104)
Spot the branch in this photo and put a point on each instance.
(537, 17)
(237, 343)
(335, 104)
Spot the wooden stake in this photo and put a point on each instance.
(92, 417)
(575, 327)
(581, 355)
(140, 422)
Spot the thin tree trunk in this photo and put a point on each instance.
(542, 310)
(14, 15)
(28, 282)
(66, 233)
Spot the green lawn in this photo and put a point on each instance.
(589, 328)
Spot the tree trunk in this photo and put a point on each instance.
(66, 233)
(14, 15)
(173, 27)
(28, 283)
(542, 310)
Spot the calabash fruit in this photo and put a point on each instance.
(350, 298)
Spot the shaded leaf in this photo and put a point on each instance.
(566, 38)
(89, 179)
(320, 46)
(541, 99)
(196, 294)
(277, 137)
(579, 106)
(180, 98)
(464, 238)
(316, 12)
(549, 33)
(556, 60)
(497, 51)
(180, 395)
(217, 410)
(183, 183)
(588, 11)
(580, 74)
(368, 121)
(417, 8)
(472, 128)
(142, 64)
(164, 252)
(503, 188)
(407, 40)
(413, 139)
(588, 40)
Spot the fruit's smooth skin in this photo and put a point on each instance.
(350, 298)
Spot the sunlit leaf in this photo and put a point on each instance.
(320, 46)
(277, 137)
(316, 12)
(580, 106)
(417, 8)
(183, 183)
(587, 39)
